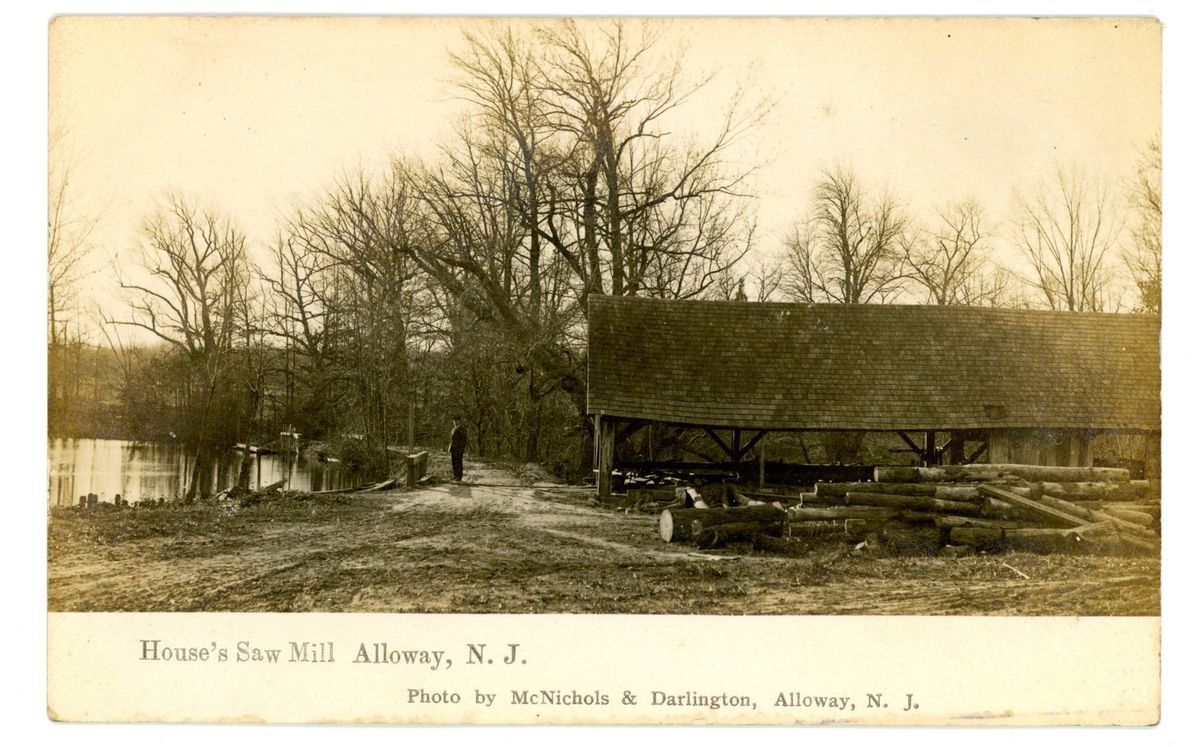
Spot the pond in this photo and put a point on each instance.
(148, 471)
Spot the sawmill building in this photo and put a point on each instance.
(957, 384)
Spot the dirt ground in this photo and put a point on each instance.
(500, 544)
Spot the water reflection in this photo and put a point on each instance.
(146, 471)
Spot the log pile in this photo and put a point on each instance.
(951, 510)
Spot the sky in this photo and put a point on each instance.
(255, 115)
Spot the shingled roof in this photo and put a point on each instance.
(779, 366)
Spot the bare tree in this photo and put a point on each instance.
(1143, 256)
(190, 295)
(762, 281)
(1065, 231)
(849, 248)
(950, 261)
(645, 212)
(68, 237)
(351, 299)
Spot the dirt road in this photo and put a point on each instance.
(496, 545)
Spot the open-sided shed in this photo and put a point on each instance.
(988, 376)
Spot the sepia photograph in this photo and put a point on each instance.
(735, 317)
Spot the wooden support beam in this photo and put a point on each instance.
(979, 450)
(717, 440)
(762, 466)
(749, 446)
(931, 455)
(912, 445)
(955, 447)
(998, 447)
(605, 438)
(737, 446)
(630, 429)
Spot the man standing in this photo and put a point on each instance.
(458, 446)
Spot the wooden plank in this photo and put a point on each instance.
(1031, 505)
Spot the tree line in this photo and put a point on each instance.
(459, 284)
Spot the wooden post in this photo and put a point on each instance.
(1074, 455)
(957, 452)
(412, 427)
(762, 466)
(1085, 449)
(930, 456)
(998, 447)
(605, 439)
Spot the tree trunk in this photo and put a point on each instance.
(1031, 540)
(198, 489)
(894, 488)
(1134, 490)
(720, 535)
(839, 513)
(243, 479)
(912, 503)
(681, 524)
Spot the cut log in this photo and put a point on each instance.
(991, 508)
(1136, 490)
(676, 524)
(912, 540)
(817, 529)
(1152, 509)
(1129, 533)
(1134, 517)
(892, 488)
(839, 513)
(792, 499)
(950, 522)
(1084, 515)
(995, 472)
(957, 493)
(1031, 506)
(1031, 540)
(911, 503)
(720, 535)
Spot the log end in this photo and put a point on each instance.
(666, 525)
